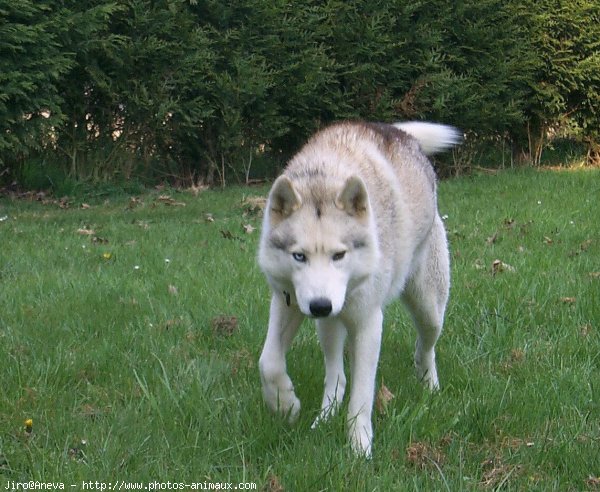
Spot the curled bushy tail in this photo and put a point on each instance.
(432, 137)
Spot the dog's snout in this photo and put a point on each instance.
(320, 307)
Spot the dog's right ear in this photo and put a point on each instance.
(354, 198)
(283, 200)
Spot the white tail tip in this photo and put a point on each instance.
(432, 137)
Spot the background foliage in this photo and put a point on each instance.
(102, 90)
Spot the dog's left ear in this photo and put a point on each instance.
(353, 198)
(283, 199)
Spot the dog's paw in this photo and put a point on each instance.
(428, 377)
(278, 392)
(426, 371)
(326, 413)
(290, 408)
(361, 438)
(282, 402)
(323, 417)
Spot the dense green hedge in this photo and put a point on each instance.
(208, 89)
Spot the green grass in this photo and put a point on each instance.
(112, 343)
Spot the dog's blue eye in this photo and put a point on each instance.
(300, 257)
(338, 256)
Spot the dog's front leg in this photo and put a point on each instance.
(277, 387)
(332, 335)
(365, 342)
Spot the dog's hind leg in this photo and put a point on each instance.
(426, 295)
(332, 335)
(277, 387)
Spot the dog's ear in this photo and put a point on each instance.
(353, 198)
(283, 200)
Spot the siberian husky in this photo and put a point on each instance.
(351, 224)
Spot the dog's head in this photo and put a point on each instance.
(318, 243)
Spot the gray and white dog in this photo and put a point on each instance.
(351, 224)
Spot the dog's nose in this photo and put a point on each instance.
(320, 307)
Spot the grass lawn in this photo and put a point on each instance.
(130, 329)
